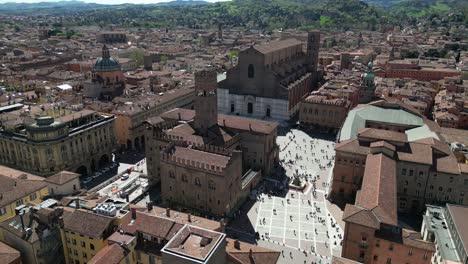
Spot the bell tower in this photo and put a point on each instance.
(312, 53)
(105, 52)
(206, 102)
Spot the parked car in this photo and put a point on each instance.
(124, 176)
(89, 179)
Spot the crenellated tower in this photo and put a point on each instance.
(205, 102)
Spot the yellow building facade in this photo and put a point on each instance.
(78, 141)
(17, 192)
(83, 235)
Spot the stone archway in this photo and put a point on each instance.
(129, 144)
(82, 170)
(93, 165)
(104, 160)
(137, 143)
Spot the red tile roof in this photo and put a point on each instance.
(378, 190)
(229, 121)
(62, 177)
(201, 156)
(87, 223)
(382, 134)
(277, 45)
(419, 153)
(110, 254)
(352, 146)
(8, 254)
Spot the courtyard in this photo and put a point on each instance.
(301, 224)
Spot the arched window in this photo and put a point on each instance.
(251, 71)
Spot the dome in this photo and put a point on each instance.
(368, 75)
(106, 64)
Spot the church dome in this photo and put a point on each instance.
(106, 62)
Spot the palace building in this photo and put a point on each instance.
(206, 161)
(426, 170)
(78, 141)
(270, 80)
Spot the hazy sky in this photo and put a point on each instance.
(113, 2)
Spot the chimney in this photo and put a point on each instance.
(134, 214)
(189, 217)
(224, 122)
(149, 206)
(237, 244)
(77, 203)
(168, 212)
(60, 222)
(22, 220)
(127, 198)
(178, 114)
(251, 256)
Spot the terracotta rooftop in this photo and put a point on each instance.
(387, 135)
(17, 174)
(419, 153)
(241, 255)
(340, 260)
(361, 216)
(194, 242)
(62, 177)
(383, 144)
(229, 121)
(182, 218)
(246, 124)
(110, 254)
(12, 189)
(150, 224)
(448, 164)
(75, 115)
(352, 146)
(277, 45)
(201, 156)
(455, 135)
(87, 223)
(378, 191)
(8, 254)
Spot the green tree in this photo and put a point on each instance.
(138, 56)
(164, 59)
(233, 54)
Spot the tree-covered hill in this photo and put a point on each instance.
(251, 14)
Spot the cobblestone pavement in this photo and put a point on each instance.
(298, 223)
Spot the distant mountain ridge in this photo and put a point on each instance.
(81, 3)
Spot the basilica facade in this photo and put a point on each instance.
(270, 80)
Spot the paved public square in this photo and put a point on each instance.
(299, 223)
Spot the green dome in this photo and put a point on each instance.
(106, 64)
(368, 75)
